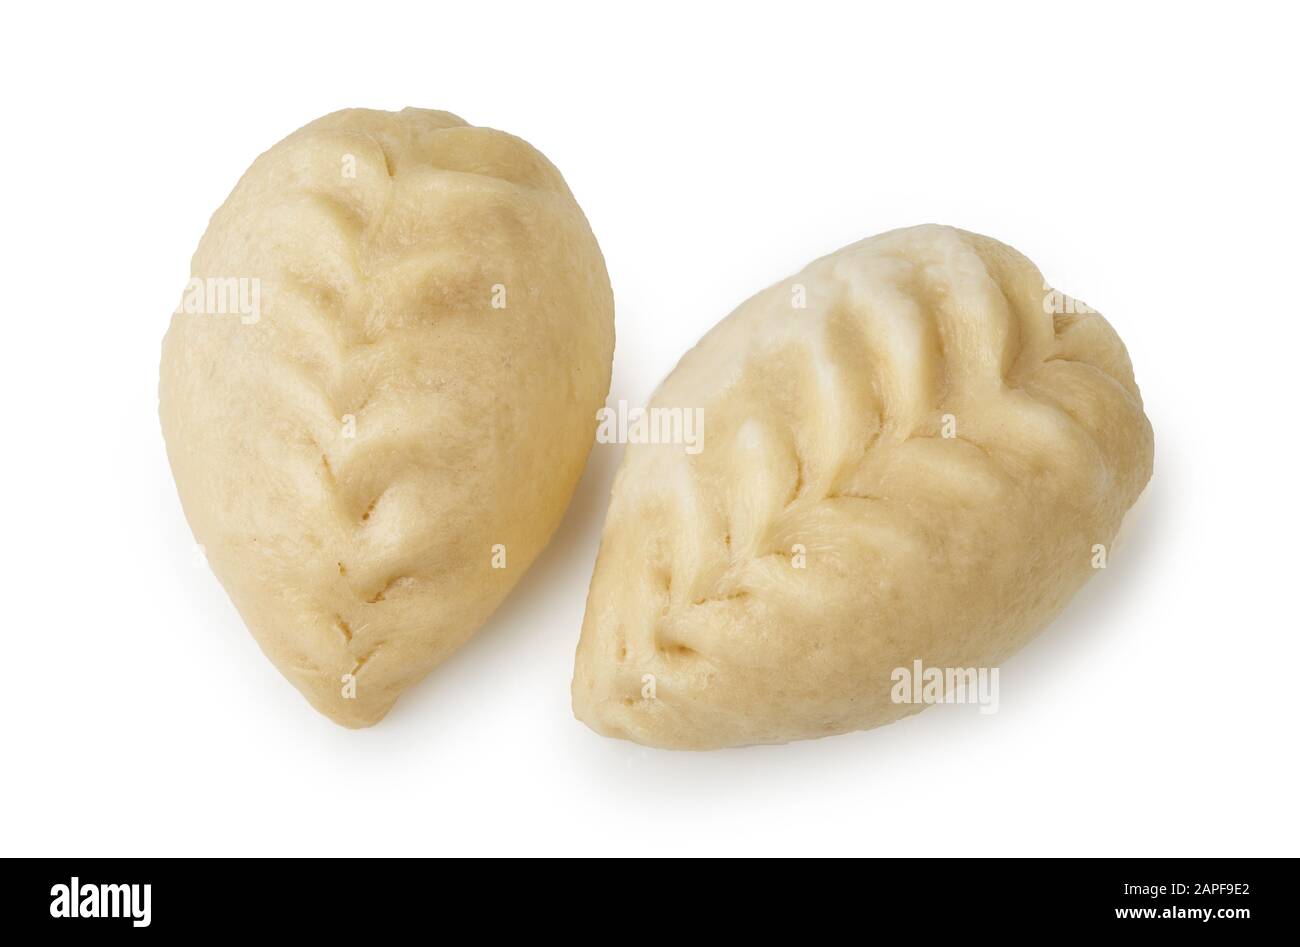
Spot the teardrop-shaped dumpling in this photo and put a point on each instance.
(912, 451)
(380, 389)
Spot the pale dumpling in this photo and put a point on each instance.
(380, 389)
(913, 450)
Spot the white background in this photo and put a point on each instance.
(1143, 155)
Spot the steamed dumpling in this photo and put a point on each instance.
(380, 390)
(912, 450)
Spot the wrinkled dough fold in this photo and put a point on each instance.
(908, 454)
(375, 460)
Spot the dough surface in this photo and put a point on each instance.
(918, 464)
(374, 453)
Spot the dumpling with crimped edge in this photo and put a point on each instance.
(907, 454)
(381, 389)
